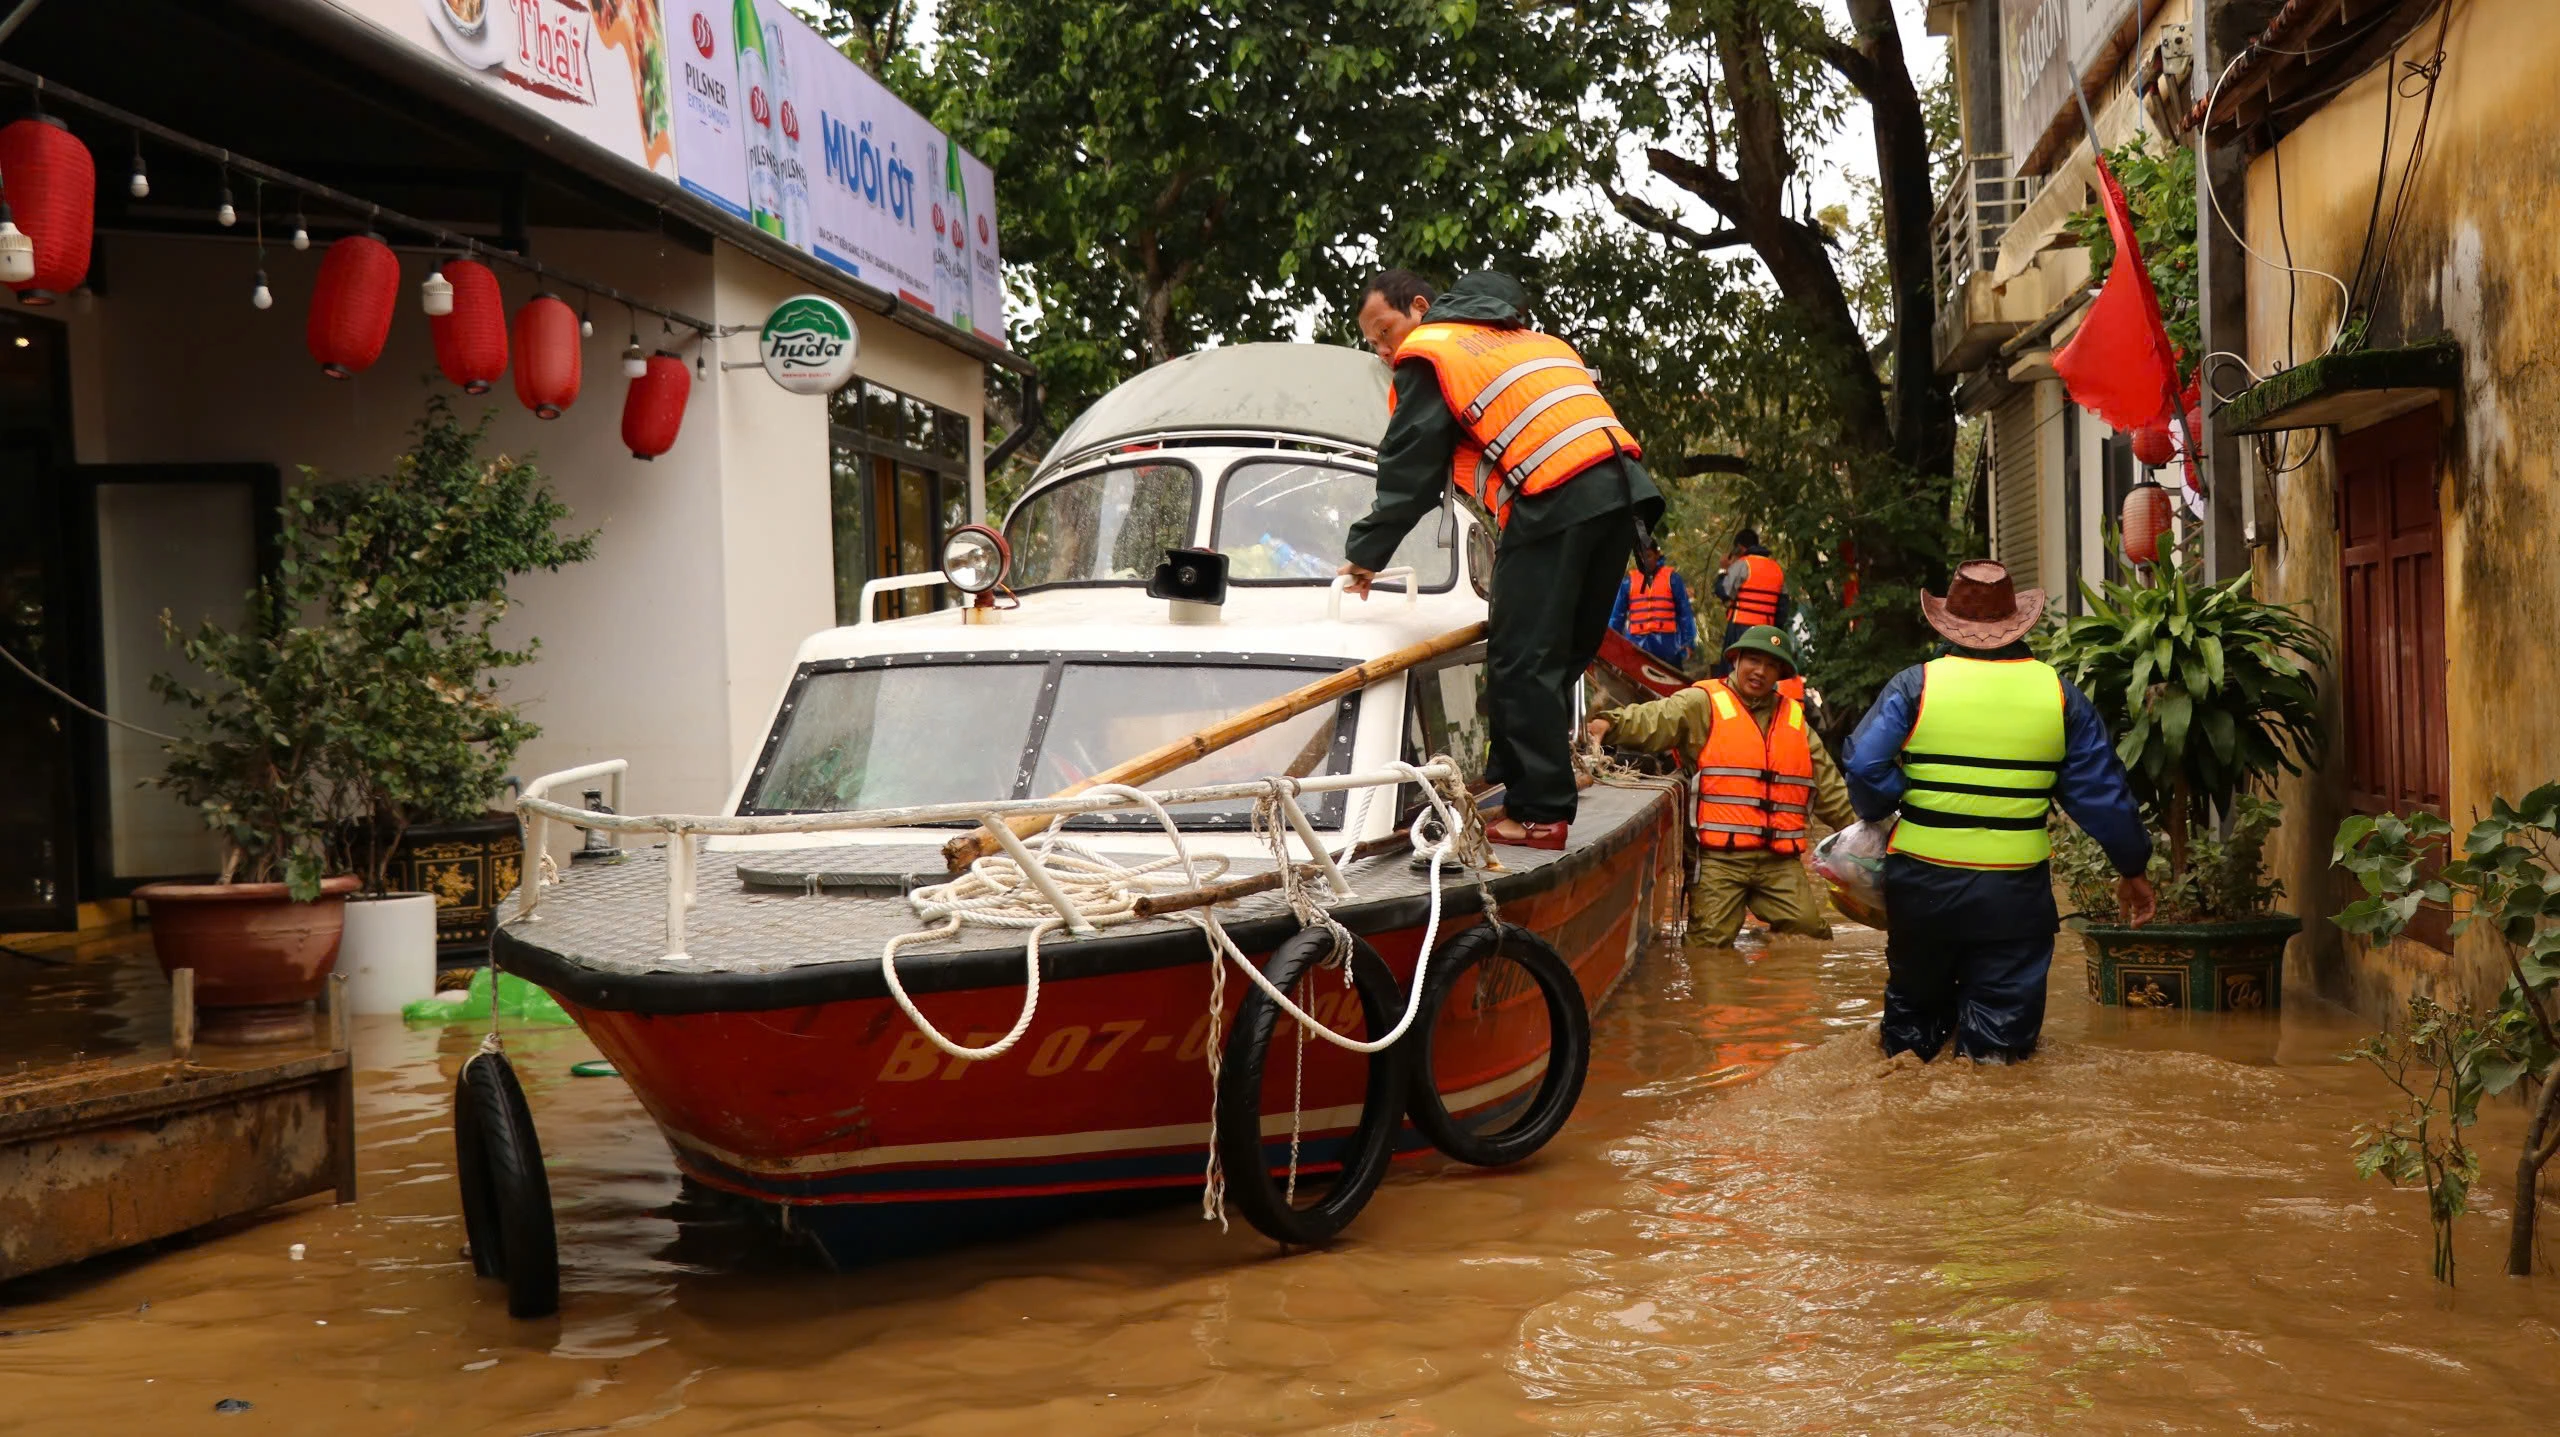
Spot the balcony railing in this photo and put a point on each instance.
(1976, 213)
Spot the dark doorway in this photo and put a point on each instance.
(39, 734)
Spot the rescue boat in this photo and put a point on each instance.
(732, 966)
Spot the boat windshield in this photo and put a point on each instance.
(882, 737)
(1284, 520)
(1109, 526)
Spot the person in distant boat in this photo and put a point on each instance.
(1514, 421)
(1753, 587)
(1653, 609)
(1760, 773)
(1973, 750)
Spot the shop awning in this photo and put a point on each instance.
(2348, 391)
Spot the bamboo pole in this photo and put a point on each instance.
(182, 1013)
(1154, 904)
(968, 848)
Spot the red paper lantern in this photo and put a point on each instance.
(471, 342)
(2152, 446)
(351, 305)
(51, 185)
(547, 360)
(653, 409)
(2146, 518)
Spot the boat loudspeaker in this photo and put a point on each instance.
(1360, 1159)
(1191, 576)
(506, 1199)
(1506, 961)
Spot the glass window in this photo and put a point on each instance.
(1112, 525)
(880, 412)
(1280, 519)
(848, 486)
(844, 407)
(1110, 713)
(1448, 716)
(886, 737)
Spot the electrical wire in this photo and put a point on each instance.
(2428, 73)
(2213, 193)
(40, 681)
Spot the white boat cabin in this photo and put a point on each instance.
(1059, 664)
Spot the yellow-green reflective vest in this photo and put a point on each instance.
(1981, 763)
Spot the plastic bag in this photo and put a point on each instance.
(1851, 861)
(517, 999)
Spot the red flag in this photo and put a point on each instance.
(2121, 366)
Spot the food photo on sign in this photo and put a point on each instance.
(596, 68)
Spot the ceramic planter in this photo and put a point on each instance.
(260, 958)
(2207, 967)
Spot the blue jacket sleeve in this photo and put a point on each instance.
(2094, 790)
(1872, 763)
(1688, 616)
(1618, 610)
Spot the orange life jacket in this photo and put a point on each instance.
(1793, 687)
(1763, 583)
(1650, 608)
(1530, 414)
(1754, 789)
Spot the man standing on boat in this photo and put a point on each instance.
(1973, 751)
(1760, 773)
(1653, 609)
(1514, 420)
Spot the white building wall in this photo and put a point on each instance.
(712, 561)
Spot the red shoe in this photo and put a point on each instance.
(1512, 833)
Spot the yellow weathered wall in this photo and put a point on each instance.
(2476, 259)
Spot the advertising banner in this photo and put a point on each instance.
(2045, 41)
(596, 68)
(711, 151)
(741, 103)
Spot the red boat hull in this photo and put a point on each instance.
(844, 1105)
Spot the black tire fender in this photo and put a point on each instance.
(1568, 1047)
(1256, 1193)
(506, 1196)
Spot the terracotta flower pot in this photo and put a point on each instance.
(260, 958)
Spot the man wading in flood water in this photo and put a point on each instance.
(1761, 772)
(1512, 418)
(1973, 750)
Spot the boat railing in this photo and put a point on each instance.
(1342, 583)
(537, 811)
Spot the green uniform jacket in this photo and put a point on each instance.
(1422, 438)
(1681, 721)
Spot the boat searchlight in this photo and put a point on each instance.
(974, 561)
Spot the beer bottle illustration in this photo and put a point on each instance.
(964, 276)
(790, 174)
(755, 81)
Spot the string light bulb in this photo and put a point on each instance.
(140, 185)
(635, 362)
(587, 317)
(301, 231)
(435, 294)
(701, 366)
(259, 295)
(223, 213)
(18, 252)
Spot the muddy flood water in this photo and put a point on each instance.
(1752, 1225)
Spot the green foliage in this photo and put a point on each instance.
(2436, 1059)
(1174, 175)
(2506, 881)
(2209, 691)
(2226, 878)
(2160, 188)
(364, 689)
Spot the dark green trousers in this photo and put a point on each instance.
(1550, 608)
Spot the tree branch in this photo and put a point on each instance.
(1706, 182)
(1697, 464)
(1663, 224)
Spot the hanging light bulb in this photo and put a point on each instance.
(17, 251)
(223, 214)
(435, 294)
(701, 369)
(140, 185)
(635, 361)
(587, 318)
(259, 297)
(301, 231)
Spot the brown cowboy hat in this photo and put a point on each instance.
(1983, 609)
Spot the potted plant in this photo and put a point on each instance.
(262, 937)
(2210, 692)
(411, 569)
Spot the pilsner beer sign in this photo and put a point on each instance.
(808, 344)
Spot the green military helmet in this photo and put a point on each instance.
(1765, 639)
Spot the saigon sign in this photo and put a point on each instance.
(808, 344)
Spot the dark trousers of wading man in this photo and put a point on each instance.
(1555, 576)
(1972, 751)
